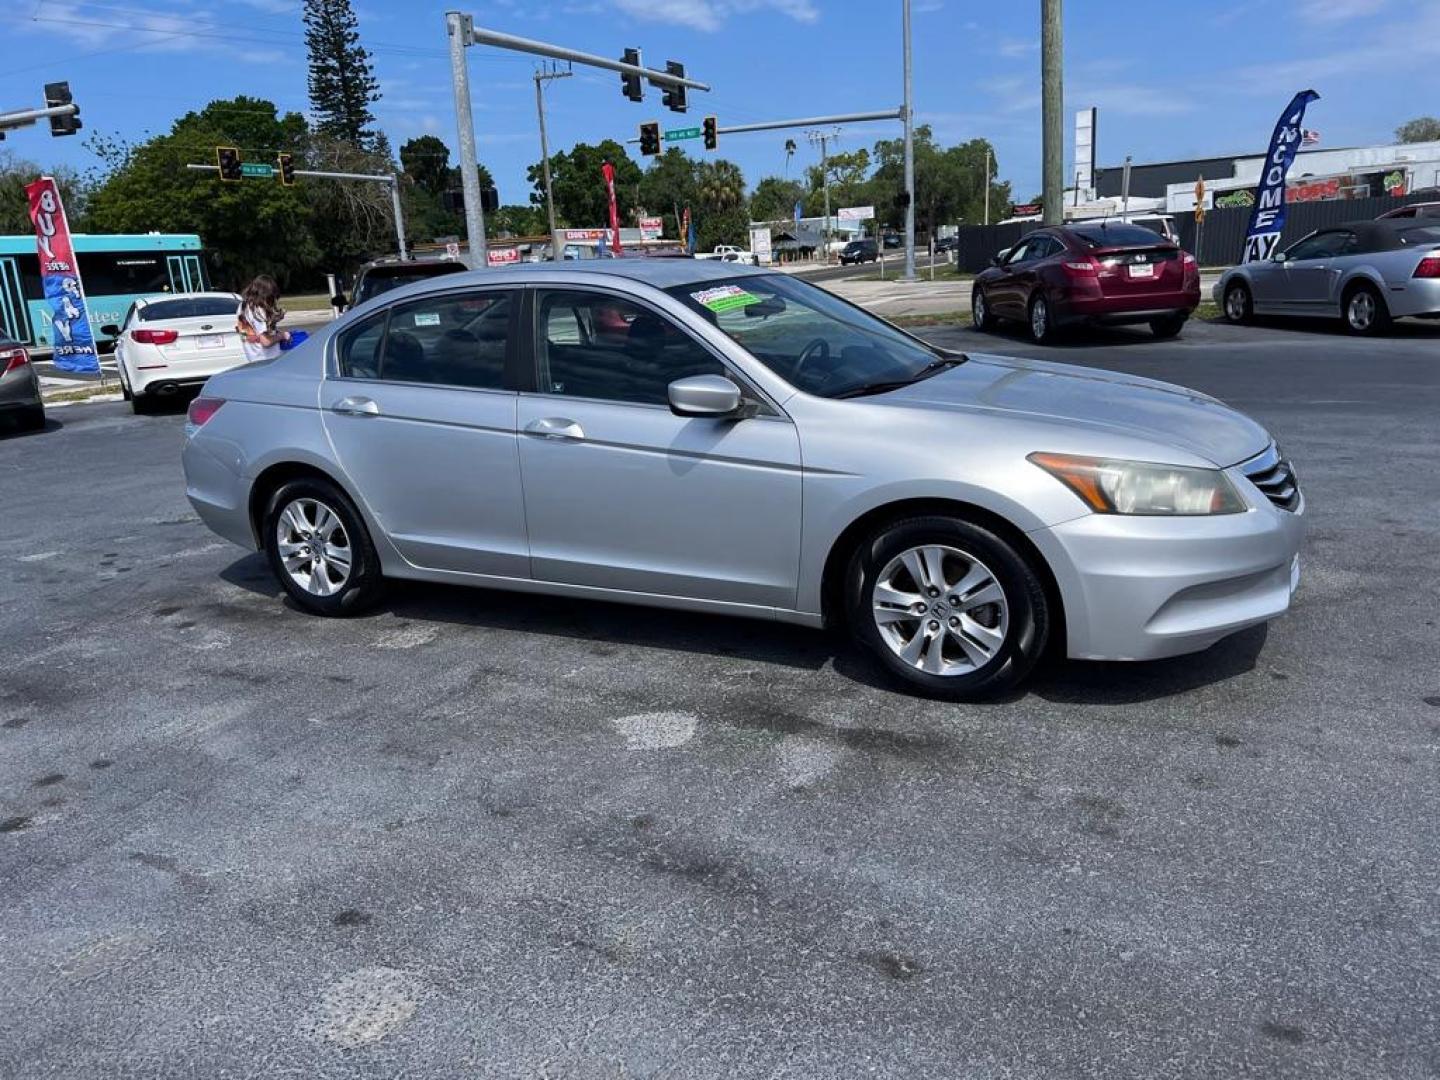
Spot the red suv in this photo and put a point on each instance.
(1092, 272)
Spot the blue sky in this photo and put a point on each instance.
(1171, 80)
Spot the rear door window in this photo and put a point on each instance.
(453, 339)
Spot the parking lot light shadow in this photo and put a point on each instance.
(600, 623)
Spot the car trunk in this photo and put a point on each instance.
(1139, 271)
(200, 339)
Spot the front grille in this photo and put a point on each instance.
(1275, 477)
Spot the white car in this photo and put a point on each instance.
(167, 343)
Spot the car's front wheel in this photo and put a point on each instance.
(949, 608)
(319, 549)
(980, 313)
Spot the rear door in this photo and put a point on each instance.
(420, 409)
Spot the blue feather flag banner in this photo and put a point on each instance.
(1267, 219)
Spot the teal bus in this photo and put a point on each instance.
(114, 271)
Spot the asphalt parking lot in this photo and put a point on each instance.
(483, 835)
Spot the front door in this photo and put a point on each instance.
(1315, 273)
(620, 493)
(422, 420)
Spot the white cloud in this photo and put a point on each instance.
(1336, 11)
(710, 15)
(1014, 48)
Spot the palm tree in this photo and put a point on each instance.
(789, 153)
(720, 185)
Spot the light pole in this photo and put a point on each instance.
(460, 29)
(1052, 58)
(909, 156)
(987, 184)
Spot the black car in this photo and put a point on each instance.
(19, 387)
(859, 251)
(382, 275)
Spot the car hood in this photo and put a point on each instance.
(1093, 399)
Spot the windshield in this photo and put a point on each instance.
(1118, 235)
(189, 308)
(810, 338)
(377, 281)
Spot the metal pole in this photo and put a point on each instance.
(825, 180)
(1125, 190)
(1052, 109)
(987, 184)
(909, 156)
(460, 31)
(574, 56)
(399, 217)
(25, 117)
(540, 77)
(807, 122)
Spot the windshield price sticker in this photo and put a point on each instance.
(427, 318)
(724, 298)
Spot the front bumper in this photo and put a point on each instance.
(1142, 588)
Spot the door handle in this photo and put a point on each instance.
(555, 427)
(356, 406)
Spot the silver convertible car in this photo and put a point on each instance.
(722, 439)
(1366, 273)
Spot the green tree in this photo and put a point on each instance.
(1421, 129)
(720, 192)
(848, 185)
(775, 198)
(580, 198)
(252, 226)
(426, 160)
(516, 220)
(15, 173)
(668, 186)
(341, 81)
(353, 221)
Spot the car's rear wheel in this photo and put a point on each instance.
(980, 313)
(1042, 322)
(1365, 311)
(31, 418)
(319, 549)
(1238, 306)
(1167, 326)
(947, 607)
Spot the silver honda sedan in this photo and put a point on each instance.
(723, 439)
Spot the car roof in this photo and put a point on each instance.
(661, 273)
(1381, 235)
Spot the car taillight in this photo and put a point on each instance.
(1081, 266)
(1429, 267)
(202, 409)
(10, 359)
(154, 337)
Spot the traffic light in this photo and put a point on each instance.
(711, 131)
(489, 200)
(285, 166)
(630, 83)
(454, 201)
(228, 158)
(649, 139)
(58, 93)
(675, 95)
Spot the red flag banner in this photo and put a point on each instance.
(73, 343)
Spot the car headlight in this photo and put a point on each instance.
(1108, 486)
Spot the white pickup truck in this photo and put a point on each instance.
(729, 253)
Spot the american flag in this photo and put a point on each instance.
(1309, 137)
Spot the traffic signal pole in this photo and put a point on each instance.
(374, 178)
(462, 33)
(909, 156)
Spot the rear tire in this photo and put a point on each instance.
(319, 549)
(980, 313)
(1042, 320)
(975, 627)
(1364, 311)
(1239, 308)
(1168, 326)
(142, 404)
(31, 418)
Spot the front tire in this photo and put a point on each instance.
(980, 313)
(1365, 312)
(319, 549)
(947, 607)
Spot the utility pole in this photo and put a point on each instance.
(823, 138)
(460, 28)
(541, 76)
(1125, 190)
(1052, 109)
(909, 274)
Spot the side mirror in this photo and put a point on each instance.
(339, 301)
(110, 330)
(704, 395)
(994, 260)
(1280, 257)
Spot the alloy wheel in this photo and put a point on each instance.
(1235, 305)
(977, 313)
(313, 546)
(1039, 319)
(1361, 311)
(940, 610)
